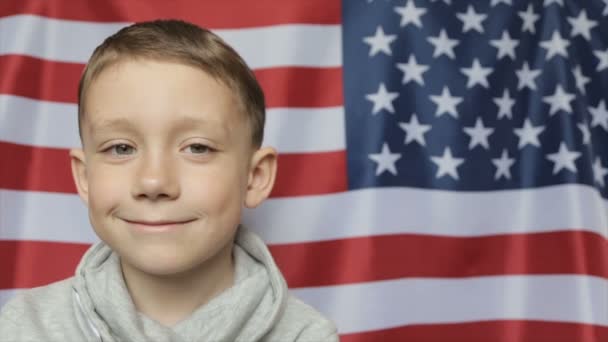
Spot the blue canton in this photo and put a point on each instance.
(476, 95)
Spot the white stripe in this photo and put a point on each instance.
(61, 217)
(52, 124)
(436, 212)
(74, 41)
(305, 130)
(386, 304)
(44, 216)
(52, 39)
(38, 123)
(287, 45)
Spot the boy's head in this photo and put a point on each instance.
(171, 121)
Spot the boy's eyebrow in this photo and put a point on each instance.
(184, 123)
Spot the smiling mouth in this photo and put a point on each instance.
(157, 226)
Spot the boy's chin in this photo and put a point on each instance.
(169, 263)
(157, 268)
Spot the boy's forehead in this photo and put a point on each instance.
(125, 101)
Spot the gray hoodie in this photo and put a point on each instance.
(95, 305)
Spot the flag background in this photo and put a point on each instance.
(392, 239)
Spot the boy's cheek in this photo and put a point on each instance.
(218, 185)
(107, 187)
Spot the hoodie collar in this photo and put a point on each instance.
(245, 311)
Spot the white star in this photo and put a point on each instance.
(414, 131)
(505, 45)
(581, 25)
(581, 80)
(585, 132)
(603, 57)
(412, 71)
(382, 100)
(528, 134)
(386, 160)
(529, 18)
(526, 77)
(549, 2)
(505, 105)
(471, 20)
(503, 165)
(380, 42)
(556, 46)
(410, 14)
(479, 134)
(599, 115)
(559, 100)
(446, 103)
(443, 45)
(496, 2)
(476, 74)
(599, 171)
(447, 164)
(563, 159)
(605, 7)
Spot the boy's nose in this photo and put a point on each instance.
(156, 179)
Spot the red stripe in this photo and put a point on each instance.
(301, 174)
(364, 259)
(58, 81)
(39, 79)
(301, 87)
(35, 168)
(212, 14)
(26, 264)
(495, 331)
(298, 174)
(400, 256)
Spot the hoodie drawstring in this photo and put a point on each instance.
(86, 317)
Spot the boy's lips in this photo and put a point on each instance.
(157, 226)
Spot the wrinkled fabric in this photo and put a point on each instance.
(95, 305)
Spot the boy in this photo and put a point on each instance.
(171, 121)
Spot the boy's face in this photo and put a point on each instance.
(167, 164)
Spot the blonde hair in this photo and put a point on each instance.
(181, 42)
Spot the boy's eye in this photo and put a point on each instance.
(121, 150)
(198, 149)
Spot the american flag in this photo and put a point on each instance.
(442, 169)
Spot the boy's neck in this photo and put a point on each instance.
(168, 300)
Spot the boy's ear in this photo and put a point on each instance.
(79, 173)
(262, 173)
